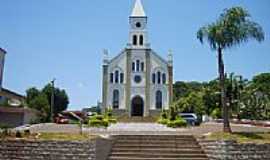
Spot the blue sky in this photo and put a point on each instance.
(64, 39)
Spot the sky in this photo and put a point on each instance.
(64, 39)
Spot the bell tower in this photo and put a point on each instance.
(138, 27)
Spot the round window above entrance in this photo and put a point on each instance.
(137, 79)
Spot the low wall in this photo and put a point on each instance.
(231, 150)
(17, 116)
(47, 150)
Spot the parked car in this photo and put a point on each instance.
(60, 119)
(90, 114)
(191, 118)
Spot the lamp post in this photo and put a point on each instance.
(52, 100)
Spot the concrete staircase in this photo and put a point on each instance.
(156, 147)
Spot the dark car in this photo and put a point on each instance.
(191, 118)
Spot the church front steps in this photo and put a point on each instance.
(158, 147)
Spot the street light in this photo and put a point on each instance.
(52, 100)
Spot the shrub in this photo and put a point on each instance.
(179, 122)
(108, 112)
(101, 120)
(27, 132)
(216, 113)
(164, 114)
(98, 117)
(173, 113)
(4, 130)
(98, 123)
(163, 121)
(172, 119)
(112, 120)
(18, 134)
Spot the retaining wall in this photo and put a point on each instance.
(231, 150)
(47, 150)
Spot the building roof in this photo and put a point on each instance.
(9, 93)
(138, 10)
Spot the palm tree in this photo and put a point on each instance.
(231, 29)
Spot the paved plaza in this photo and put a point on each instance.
(145, 128)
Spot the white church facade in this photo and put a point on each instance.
(137, 82)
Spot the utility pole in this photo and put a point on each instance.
(52, 100)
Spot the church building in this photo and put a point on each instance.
(137, 82)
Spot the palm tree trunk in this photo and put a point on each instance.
(226, 123)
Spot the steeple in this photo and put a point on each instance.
(138, 10)
(138, 27)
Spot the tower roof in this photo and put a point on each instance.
(2, 50)
(138, 10)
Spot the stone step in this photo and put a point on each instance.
(154, 137)
(151, 145)
(158, 154)
(154, 158)
(156, 141)
(158, 150)
(158, 147)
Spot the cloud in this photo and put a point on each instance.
(81, 85)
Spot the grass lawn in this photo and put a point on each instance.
(49, 136)
(241, 137)
(65, 136)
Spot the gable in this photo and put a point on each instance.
(118, 62)
(158, 63)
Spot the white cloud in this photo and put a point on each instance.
(81, 85)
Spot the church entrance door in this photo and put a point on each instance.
(137, 106)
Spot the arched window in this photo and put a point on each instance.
(116, 76)
(134, 40)
(121, 77)
(158, 100)
(137, 65)
(163, 78)
(158, 77)
(153, 78)
(141, 40)
(133, 66)
(115, 99)
(111, 77)
(142, 66)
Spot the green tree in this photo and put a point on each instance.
(41, 104)
(31, 93)
(193, 103)
(231, 29)
(61, 100)
(261, 83)
(211, 100)
(183, 89)
(41, 99)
